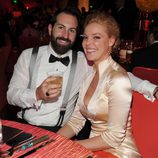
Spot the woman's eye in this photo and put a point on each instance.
(90, 38)
(83, 37)
(96, 37)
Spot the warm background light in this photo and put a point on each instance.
(147, 5)
(83, 3)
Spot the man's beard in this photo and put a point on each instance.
(60, 49)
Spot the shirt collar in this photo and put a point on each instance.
(51, 51)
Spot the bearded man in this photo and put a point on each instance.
(43, 101)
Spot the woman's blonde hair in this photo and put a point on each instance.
(106, 20)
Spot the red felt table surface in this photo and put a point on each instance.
(60, 148)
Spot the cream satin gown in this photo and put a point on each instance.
(108, 109)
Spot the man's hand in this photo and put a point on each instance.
(155, 93)
(48, 91)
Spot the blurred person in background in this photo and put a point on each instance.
(147, 56)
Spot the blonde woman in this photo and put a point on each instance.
(105, 95)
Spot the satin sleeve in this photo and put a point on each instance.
(77, 120)
(119, 95)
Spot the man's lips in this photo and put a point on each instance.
(62, 42)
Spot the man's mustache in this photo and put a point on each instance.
(64, 39)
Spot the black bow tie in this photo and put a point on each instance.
(64, 60)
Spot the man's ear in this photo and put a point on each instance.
(49, 29)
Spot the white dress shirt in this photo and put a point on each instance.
(19, 94)
(142, 86)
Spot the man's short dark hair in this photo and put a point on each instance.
(68, 10)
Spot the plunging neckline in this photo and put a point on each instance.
(91, 89)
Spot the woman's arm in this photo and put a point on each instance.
(66, 131)
(75, 124)
(94, 143)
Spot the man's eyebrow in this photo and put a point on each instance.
(60, 24)
(65, 26)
